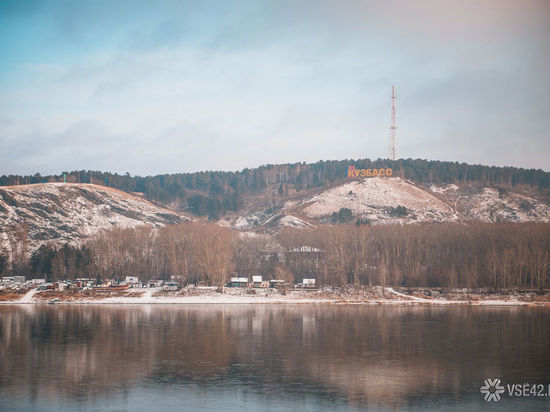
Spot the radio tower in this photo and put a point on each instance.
(393, 127)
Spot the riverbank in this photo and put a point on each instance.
(375, 295)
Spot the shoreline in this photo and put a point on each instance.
(373, 296)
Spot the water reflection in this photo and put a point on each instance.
(344, 356)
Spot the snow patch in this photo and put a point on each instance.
(376, 197)
(292, 221)
(71, 212)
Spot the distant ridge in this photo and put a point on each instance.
(218, 193)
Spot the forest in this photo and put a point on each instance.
(212, 193)
(477, 255)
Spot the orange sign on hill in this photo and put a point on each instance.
(351, 171)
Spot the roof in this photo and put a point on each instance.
(239, 279)
(307, 249)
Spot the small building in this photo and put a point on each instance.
(62, 286)
(239, 282)
(256, 281)
(84, 283)
(278, 283)
(7, 279)
(19, 279)
(308, 283)
(45, 286)
(131, 279)
(38, 281)
(170, 286)
(156, 283)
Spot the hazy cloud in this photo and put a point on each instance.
(180, 86)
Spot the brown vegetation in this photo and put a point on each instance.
(477, 255)
(7, 295)
(71, 295)
(498, 256)
(190, 252)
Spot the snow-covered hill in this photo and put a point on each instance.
(394, 200)
(68, 212)
(71, 212)
(376, 199)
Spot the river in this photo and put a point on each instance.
(269, 357)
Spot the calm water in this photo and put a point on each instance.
(260, 357)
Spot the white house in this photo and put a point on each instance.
(308, 282)
(239, 282)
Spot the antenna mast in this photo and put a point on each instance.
(393, 127)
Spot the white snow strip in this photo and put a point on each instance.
(28, 298)
(263, 298)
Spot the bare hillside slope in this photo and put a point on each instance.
(71, 212)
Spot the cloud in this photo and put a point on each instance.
(125, 86)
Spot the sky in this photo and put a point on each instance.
(174, 86)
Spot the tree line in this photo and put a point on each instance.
(478, 255)
(219, 192)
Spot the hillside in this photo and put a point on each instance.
(218, 193)
(396, 200)
(54, 214)
(71, 212)
(67, 212)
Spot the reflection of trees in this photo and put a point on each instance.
(365, 354)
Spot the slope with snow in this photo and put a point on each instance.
(488, 204)
(376, 199)
(71, 212)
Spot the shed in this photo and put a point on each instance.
(308, 282)
(170, 286)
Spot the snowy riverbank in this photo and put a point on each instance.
(350, 295)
